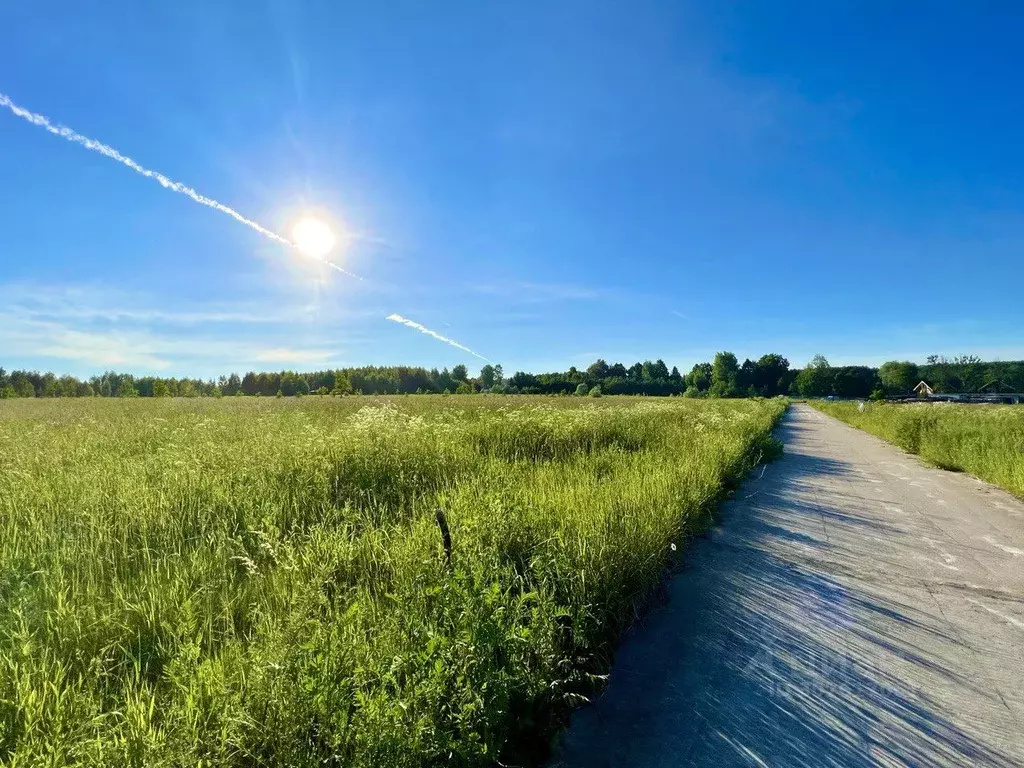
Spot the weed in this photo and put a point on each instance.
(262, 582)
(985, 440)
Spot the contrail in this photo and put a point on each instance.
(175, 186)
(423, 329)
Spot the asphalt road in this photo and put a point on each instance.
(853, 608)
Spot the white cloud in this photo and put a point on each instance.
(94, 303)
(23, 338)
(85, 329)
(396, 318)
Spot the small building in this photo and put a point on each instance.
(924, 389)
(995, 387)
(997, 391)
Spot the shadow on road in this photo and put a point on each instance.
(761, 657)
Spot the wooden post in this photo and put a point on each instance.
(446, 536)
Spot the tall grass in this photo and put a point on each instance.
(985, 440)
(261, 582)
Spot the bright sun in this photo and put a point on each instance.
(313, 237)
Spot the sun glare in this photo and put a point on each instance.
(313, 237)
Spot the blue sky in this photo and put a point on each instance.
(547, 183)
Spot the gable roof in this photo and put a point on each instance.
(995, 385)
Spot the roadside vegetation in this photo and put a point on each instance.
(984, 440)
(262, 582)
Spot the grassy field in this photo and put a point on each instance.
(985, 440)
(254, 581)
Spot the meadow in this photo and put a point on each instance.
(985, 440)
(261, 581)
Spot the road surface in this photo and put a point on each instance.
(853, 608)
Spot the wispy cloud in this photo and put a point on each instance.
(107, 151)
(23, 338)
(90, 303)
(396, 318)
(143, 349)
(175, 186)
(117, 314)
(90, 328)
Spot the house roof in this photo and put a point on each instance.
(996, 385)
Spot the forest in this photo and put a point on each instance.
(724, 376)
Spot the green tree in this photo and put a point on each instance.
(232, 386)
(582, 389)
(654, 371)
(816, 379)
(250, 384)
(854, 381)
(725, 371)
(160, 388)
(464, 388)
(771, 375)
(342, 385)
(699, 377)
(445, 381)
(597, 370)
(746, 378)
(487, 378)
(595, 391)
(460, 372)
(21, 384)
(971, 371)
(1013, 376)
(898, 377)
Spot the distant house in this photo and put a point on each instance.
(995, 387)
(924, 389)
(997, 391)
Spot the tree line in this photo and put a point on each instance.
(369, 380)
(723, 376)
